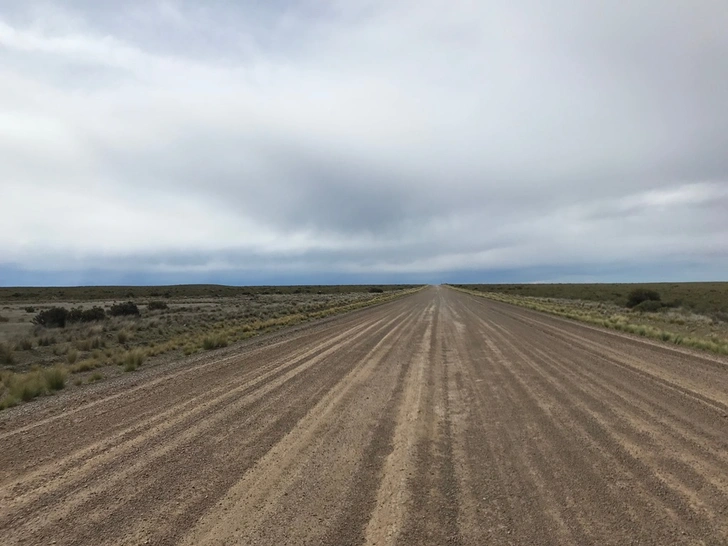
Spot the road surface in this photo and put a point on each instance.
(439, 418)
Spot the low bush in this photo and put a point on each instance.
(639, 295)
(157, 305)
(124, 309)
(376, 290)
(25, 344)
(55, 317)
(29, 309)
(4, 319)
(94, 314)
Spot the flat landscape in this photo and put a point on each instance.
(436, 418)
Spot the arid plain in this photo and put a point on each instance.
(436, 418)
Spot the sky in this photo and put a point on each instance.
(265, 142)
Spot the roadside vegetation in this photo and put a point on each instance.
(52, 334)
(689, 314)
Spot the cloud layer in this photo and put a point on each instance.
(364, 138)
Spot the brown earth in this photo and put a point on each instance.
(439, 418)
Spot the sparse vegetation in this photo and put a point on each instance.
(189, 320)
(676, 325)
(17, 387)
(706, 298)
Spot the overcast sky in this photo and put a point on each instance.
(285, 141)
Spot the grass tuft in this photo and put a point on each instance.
(133, 360)
(6, 354)
(214, 341)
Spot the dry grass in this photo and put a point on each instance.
(185, 327)
(676, 327)
(16, 388)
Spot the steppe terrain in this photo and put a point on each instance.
(437, 418)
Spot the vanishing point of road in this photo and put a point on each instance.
(439, 418)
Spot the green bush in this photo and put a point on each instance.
(157, 305)
(639, 295)
(376, 290)
(124, 309)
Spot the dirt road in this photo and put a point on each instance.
(439, 418)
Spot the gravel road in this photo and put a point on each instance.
(439, 418)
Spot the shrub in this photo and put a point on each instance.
(55, 317)
(4, 319)
(25, 344)
(648, 306)
(124, 309)
(376, 290)
(122, 336)
(638, 295)
(29, 309)
(157, 305)
(94, 314)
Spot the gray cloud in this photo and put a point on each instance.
(388, 138)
